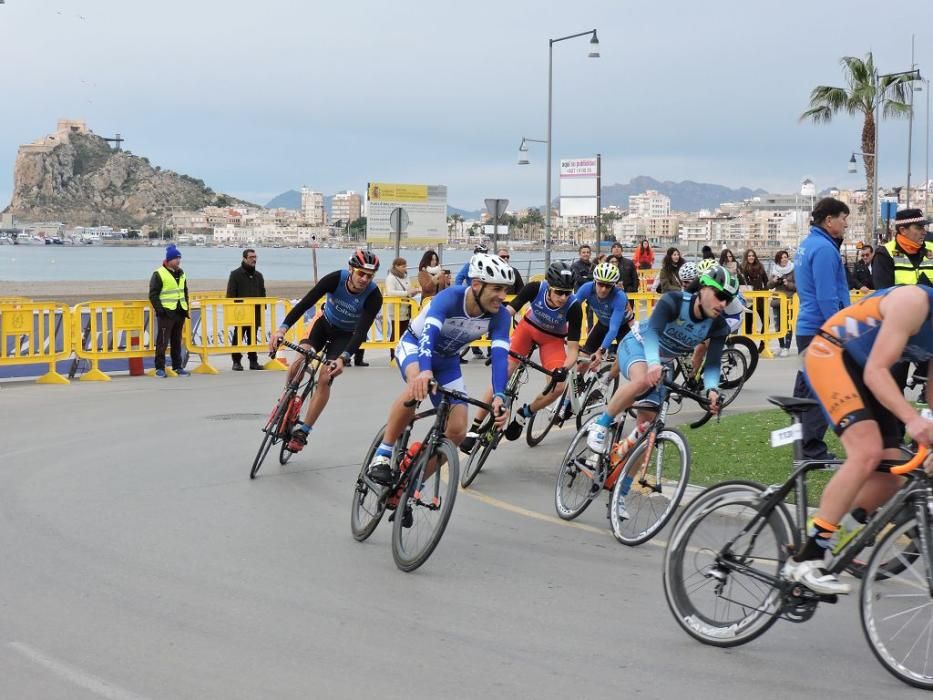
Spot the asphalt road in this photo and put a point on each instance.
(139, 561)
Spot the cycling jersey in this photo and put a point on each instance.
(343, 310)
(834, 364)
(565, 321)
(673, 331)
(611, 311)
(443, 329)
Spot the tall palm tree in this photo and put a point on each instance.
(865, 91)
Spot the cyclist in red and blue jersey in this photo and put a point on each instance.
(848, 366)
(352, 303)
(553, 324)
(430, 350)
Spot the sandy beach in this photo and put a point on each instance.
(73, 292)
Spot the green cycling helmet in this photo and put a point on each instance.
(720, 279)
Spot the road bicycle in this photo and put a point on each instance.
(733, 373)
(658, 463)
(287, 411)
(587, 393)
(722, 565)
(423, 488)
(489, 435)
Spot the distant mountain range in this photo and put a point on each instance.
(685, 196)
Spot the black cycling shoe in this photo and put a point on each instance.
(469, 442)
(408, 519)
(514, 429)
(381, 473)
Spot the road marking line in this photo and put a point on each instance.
(75, 675)
(535, 515)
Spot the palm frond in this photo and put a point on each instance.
(818, 115)
(857, 71)
(895, 109)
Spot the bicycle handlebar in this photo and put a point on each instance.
(913, 463)
(307, 352)
(702, 400)
(534, 365)
(434, 387)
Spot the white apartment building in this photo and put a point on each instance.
(649, 205)
(268, 234)
(312, 207)
(346, 207)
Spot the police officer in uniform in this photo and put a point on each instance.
(168, 294)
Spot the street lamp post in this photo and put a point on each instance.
(594, 53)
(523, 150)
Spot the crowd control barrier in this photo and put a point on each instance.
(112, 330)
(226, 326)
(36, 333)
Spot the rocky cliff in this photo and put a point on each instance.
(76, 177)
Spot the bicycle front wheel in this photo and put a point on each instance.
(579, 479)
(424, 511)
(725, 597)
(897, 607)
(597, 396)
(660, 470)
(485, 444)
(732, 370)
(271, 432)
(369, 502)
(541, 422)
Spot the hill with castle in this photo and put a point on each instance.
(77, 177)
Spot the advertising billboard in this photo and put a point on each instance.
(578, 185)
(424, 217)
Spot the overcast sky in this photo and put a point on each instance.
(256, 98)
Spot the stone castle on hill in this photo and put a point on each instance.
(75, 176)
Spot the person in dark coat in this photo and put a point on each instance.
(862, 274)
(246, 281)
(168, 294)
(627, 268)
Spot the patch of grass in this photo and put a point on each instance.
(739, 447)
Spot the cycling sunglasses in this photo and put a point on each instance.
(721, 294)
(562, 292)
(605, 285)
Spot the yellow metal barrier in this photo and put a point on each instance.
(35, 333)
(112, 330)
(224, 323)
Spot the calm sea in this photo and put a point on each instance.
(26, 263)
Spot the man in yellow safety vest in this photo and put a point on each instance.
(168, 294)
(907, 258)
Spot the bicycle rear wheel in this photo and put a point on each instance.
(424, 511)
(272, 431)
(369, 501)
(544, 420)
(485, 444)
(597, 396)
(732, 373)
(659, 481)
(897, 608)
(749, 349)
(580, 477)
(725, 598)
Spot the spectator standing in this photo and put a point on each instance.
(728, 261)
(398, 285)
(629, 279)
(668, 279)
(582, 269)
(755, 276)
(863, 267)
(708, 253)
(822, 290)
(168, 294)
(246, 281)
(782, 282)
(907, 258)
(431, 277)
(463, 279)
(644, 256)
(519, 282)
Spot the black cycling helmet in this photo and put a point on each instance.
(481, 248)
(559, 276)
(723, 281)
(365, 260)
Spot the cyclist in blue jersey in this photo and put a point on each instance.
(610, 306)
(680, 321)
(352, 303)
(552, 324)
(430, 350)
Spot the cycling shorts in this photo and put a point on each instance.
(598, 332)
(631, 351)
(551, 348)
(446, 369)
(836, 380)
(323, 334)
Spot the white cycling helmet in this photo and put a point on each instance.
(607, 273)
(491, 269)
(688, 272)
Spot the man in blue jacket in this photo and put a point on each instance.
(823, 289)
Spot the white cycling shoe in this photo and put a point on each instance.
(597, 438)
(811, 574)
